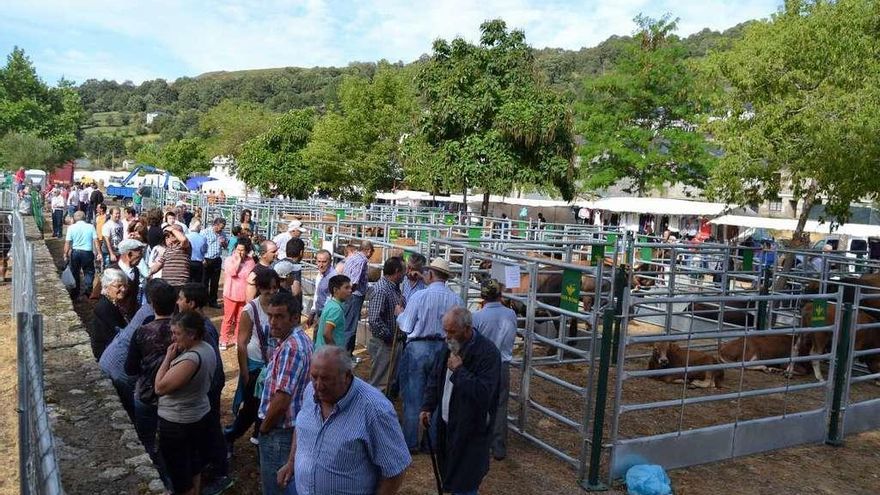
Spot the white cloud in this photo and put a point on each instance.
(239, 34)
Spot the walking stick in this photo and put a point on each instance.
(434, 462)
(390, 376)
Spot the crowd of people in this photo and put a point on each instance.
(318, 428)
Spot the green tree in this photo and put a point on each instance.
(273, 163)
(26, 150)
(356, 149)
(491, 121)
(230, 124)
(28, 106)
(638, 120)
(179, 157)
(183, 157)
(801, 98)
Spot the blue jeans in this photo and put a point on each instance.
(274, 451)
(85, 261)
(415, 367)
(352, 315)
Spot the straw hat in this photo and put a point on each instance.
(440, 264)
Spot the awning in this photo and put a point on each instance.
(656, 206)
(788, 224)
(193, 183)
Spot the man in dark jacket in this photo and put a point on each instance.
(463, 390)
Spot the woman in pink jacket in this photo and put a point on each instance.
(236, 269)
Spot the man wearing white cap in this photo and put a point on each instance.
(294, 231)
(422, 322)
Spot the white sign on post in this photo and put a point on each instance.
(506, 274)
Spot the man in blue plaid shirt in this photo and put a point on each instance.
(386, 303)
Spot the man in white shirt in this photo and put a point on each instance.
(57, 202)
(111, 233)
(84, 196)
(295, 230)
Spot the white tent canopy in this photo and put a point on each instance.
(656, 206)
(853, 229)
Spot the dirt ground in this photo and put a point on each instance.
(816, 469)
(8, 396)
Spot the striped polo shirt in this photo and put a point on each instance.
(175, 267)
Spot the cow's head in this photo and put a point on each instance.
(660, 353)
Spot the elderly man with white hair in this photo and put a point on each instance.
(343, 414)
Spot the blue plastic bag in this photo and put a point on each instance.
(647, 479)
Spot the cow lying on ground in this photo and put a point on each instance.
(670, 355)
(819, 342)
(739, 313)
(756, 348)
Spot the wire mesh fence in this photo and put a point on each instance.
(38, 466)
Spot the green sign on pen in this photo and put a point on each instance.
(819, 317)
(406, 255)
(340, 214)
(571, 290)
(597, 253)
(449, 219)
(393, 235)
(611, 240)
(645, 253)
(475, 233)
(424, 235)
(748, 259)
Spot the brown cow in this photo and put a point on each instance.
(669, 355)
(756, 348)
(820, 341)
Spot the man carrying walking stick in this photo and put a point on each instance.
(463, 391)
(386, 303)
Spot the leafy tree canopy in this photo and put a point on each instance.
(25, 150)
(638, 120)
(802, 98)
(491, 122)
(232, 123)
(28, 106)
(355, 148)
(273, 161)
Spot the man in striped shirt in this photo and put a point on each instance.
(422, 322)
(356, 270)
(287, 375)
(347, 438)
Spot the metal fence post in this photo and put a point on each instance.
(23, 409)
(841, 377)
(528, 343)
(766, 276)
(593, 483)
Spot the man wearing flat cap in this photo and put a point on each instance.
(422, 322)
(497, 323)
(131, 262)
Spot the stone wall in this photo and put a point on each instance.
(98, 450)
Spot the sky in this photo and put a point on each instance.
(137, 40)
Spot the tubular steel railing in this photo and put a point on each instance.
(38, 466)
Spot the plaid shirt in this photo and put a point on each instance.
(288, 372)
(381, 317)
(213, 243)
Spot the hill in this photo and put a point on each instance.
(286, 88)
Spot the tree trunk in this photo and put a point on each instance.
(484, 208)
(788, 262)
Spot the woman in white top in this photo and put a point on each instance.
(254, 351)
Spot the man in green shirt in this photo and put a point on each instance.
(331, 326)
